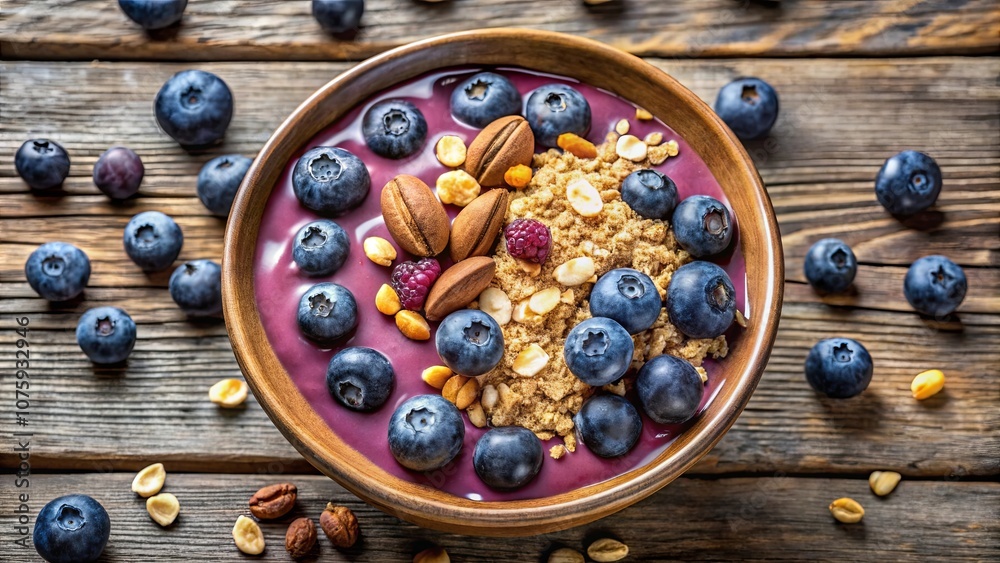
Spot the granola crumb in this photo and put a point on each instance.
(557, 451)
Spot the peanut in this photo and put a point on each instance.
(544, 301)
(163, 508)
(453, 386)
(584, 198)
(149, 480)
(622, 127)
(436, 376)
(643, 115)
(490, 397)
(574, 272)
(607, 549)
(476, 415)
(412, 325)
(927, 384)
(495, 303)
(228, 393)
(530, 361)
(631, 148)
(248, 537)
(450, 151)
(565, 554)
(379, 251)
(883, 482)
(847, 510)
(467, 394)
(386, 300)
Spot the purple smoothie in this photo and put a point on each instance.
(278, 285)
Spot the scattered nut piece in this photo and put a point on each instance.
(495, 303)
(702, 374)
(436, 376)
(653, 139)
(575, 272)
(453, 386)
(584, 197)
(467, 394)
(672, 148)
(412, 325)
(556, 452)
(631, 148)
(432, 555)
(457, 187)
(568, 297)
(228, 393)
(518, 177)
(740, 319)
(387, 301)
(504, 392)
(163, 508)
(847, 510)
(339, 524)
(883, 482)
(927, 384)
(248, 537)
(300, 537)
(607, 549)
(490, 396)
(616, 388)
(530, 361)
(450, 151)
(576, 145)
(657, 155)
(273, 501)
(523, 314)
(476, 415)
(544, 301)
(565, 554)
(622, 127)
(643, 115)
(528, 267)
(149, 480)
(379, 251)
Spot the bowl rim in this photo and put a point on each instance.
(422, 504)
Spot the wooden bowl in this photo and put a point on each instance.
(590, 62)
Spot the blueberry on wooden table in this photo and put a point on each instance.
(670, 389)
(608, 425)
(219, 180)
(152, 240)
(627, 296)
(702, 226)
(153, 14)
(106, 335)
(839, 367)
(701, 300)
(338, 16)
(483, 98)
(196, 287)
(320, 248)
(330, 181)
(935, 286)
(194, 107)
(469, 342)
(71, 529)
(327, 311)
(908, 182)
(830, 266)
(598, 351)
(394, 129)
(57, 271)
(508, 457)
(650, 193)
(360, 378)
(118, 173)
(42, 164)
(554, 109)
(749, 106)
(426, 432)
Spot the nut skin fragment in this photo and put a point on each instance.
(379, 251)
(228, 393)
(415, 218)
(565, 554)
(149, 480)
(163, 508)
(576, 145)
(436, 376)
(386, 300)
(518, 177)
(248, 537)
(883, 482)
(606, 550)
(458, 286)
(927, 384)
(340, 525)
(450, 151)
(273, 501)
(432, 555)
(847, 510)
(476, 227)
(300, 537)
(412, 325)
(506, 142)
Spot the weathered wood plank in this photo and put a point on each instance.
(741, 519)
(260, 29)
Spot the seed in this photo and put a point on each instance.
(163, 508)
(495, 303)
(436, 376)
(451, 151)
(847, 510)
(643, 115)
(467, 394)
(379, 251)
(631, 148)
(565, 555)
(432, 555)
(530, 361)
(476, 415)
(453, 386)
(607, 549)
(490, 396)
(574, 272)
(622, 126)
(584, 197)
(412, 325)
(386, 300)
(544, 301)
(248, 537)
(149, 481)
(927, 384)
(883, 482)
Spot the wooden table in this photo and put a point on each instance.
(859, 80)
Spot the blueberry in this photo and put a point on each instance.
(608, 425)
(42, 164)
(194, 107)
(508, 457)
(57, 271)
(483, 98)
(394, 129)
(330, 181)
(598, 351)
(908, 183)
(749, 106)
(327, 311)
(106, 335)
(650, 194)
(153, 14)
(702, 226)
(118, 173)
(469, 342)
(669, 389)
(627, 296)
(71, 529)
(839, 367)
(360, 378)
(555, 109)
(320, 248)
(830, 266)
(152, 240)
(426, 432)
(701, 300)
(935, 286)
(338, 16)
(196, 287)
(218, 181)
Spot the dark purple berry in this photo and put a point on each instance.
(118, 173)
(413, 280)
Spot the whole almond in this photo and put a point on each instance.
(476, 227)
(340, 525)
(458, 286)
(273, 501)
(415, 218)
(300, 537)
(506, 142)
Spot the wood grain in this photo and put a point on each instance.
(266, 30)
(740, 519)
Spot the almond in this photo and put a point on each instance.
(506, 142)
(458, 286)
(476, 227)
(415, 218)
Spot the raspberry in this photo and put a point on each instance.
(528, 239)
(412, 281)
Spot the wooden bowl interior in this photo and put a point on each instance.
(589, 62)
